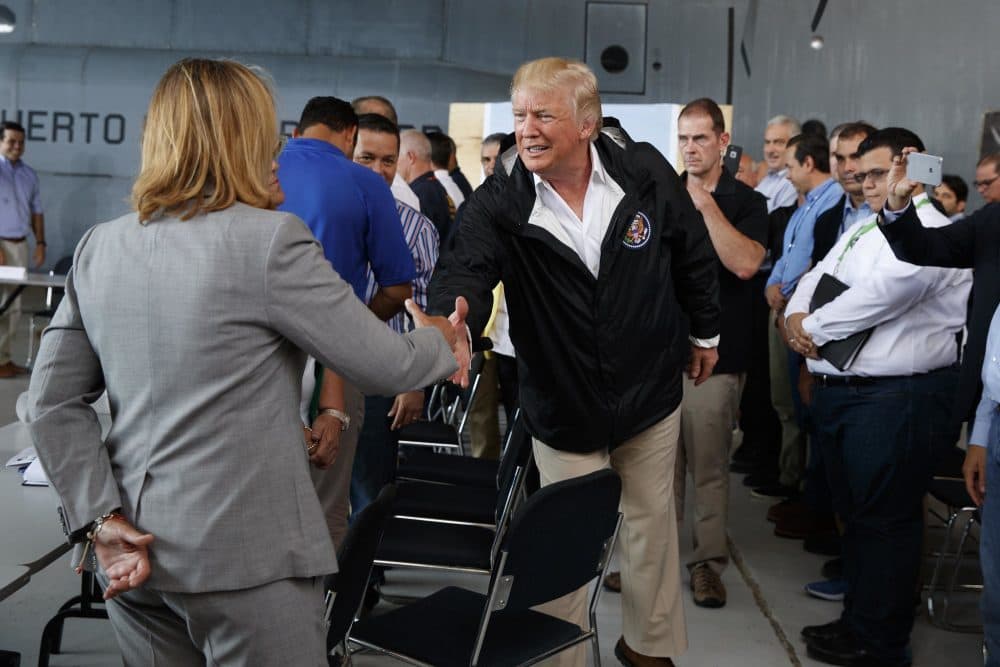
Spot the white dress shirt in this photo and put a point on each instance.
(450, 186)
(916, 311)
(778, 190)
(553, 214)
(402, 191)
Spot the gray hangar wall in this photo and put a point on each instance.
(79, 72)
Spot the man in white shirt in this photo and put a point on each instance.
(441, 153)
(774, 185)
(882, 421)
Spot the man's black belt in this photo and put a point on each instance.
(14, 240)
(846, 380)
(859, 381)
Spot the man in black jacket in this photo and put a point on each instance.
(972, 242)
(601, 253)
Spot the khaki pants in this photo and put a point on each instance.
(15, 254)
(652, 613)
(333, 485)
(708, 413)
(793, 440)
(484, 424)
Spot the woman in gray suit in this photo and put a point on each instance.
(196, 312)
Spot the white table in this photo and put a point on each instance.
(33, 279)
(29, 523)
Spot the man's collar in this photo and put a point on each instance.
(849, 206)
(314, 144)
(819, 189)
(597, 172)
(780, 172)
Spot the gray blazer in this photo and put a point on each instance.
(199, 330)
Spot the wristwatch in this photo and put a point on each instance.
(345, 419)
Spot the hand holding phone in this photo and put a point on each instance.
(731, 160)
(924, 168)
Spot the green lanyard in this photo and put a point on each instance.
(858, 233)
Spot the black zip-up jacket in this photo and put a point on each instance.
(599, 360)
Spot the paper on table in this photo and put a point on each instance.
(13, 272)
(34, 475)
(22, 458)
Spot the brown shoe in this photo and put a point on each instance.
(613, 582)
(707, 586)
(786, 509)
(10, 369)
(630, 658)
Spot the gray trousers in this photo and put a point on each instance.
(280, 623)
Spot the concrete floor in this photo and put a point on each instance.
(762, 632)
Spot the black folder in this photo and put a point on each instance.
(840, 353)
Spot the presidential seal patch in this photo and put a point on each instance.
(638, 232)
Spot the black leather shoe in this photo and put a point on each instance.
(825, 631)
(846, 650)
(760, 478)
(833, 569)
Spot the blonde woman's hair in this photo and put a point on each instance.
(208, 142)
(548, 74)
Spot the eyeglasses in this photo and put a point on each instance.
(981, 185)
(876, 175)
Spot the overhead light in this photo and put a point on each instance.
(7, 19)
(816, 42)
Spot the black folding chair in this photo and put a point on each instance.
(441, 432)
(560, 540)
(461, 503)
(962, 515)
(346, 589)
(449, 544)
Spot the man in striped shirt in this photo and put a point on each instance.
(377, 148)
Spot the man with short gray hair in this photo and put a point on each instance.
(416, 168)
(775, 184)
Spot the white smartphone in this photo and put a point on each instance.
(924, 168)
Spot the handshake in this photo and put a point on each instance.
(455, 332)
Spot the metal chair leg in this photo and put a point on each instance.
(932, 590)
(595, 642)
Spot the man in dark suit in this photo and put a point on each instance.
(973, 242)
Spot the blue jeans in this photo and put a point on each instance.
(375, 459)
(989, 547)
(880, 444)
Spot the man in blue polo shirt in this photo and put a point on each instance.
(352, 213)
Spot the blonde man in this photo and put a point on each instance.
(597, 242)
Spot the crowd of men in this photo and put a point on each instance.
(786, 308)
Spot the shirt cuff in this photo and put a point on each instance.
(889, 217)
(814, 328)
(706, 343)
(980, 431)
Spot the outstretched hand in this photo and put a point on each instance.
(123, 554)
(455, 333)
(900, 188)
(463, 351)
